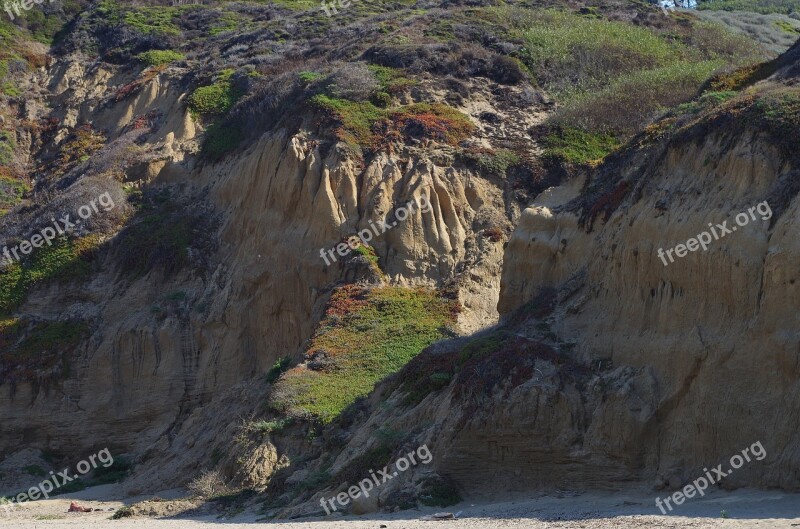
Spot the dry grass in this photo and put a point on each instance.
(768, 30)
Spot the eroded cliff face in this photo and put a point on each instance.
(609, 365)
(158, 367)
(716, 331)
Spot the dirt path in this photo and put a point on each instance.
(620, 510)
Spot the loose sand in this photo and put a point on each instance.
(633, 508)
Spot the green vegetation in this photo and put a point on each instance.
(494, 162)
(280, 365)
(364, 124)
(366, 335)
(740, 77)
(156, 239)
(297, 5)
(387, 443)
(122, 512)
(356, 119)
(11, 191)
(705, 102)
(50, 336)
(227, 22)
(613, 77)
(101, 475)
(569, 53)
(8, 143)
(579, 147)
(10, 89)
(310, 77)
(160, 57)
(275, 425)
(391, 80)
(780, 111)
(153, 20)
(628, 103)
(765, 7)
(45, 27)
(368, 252)
(65, 260)
(216, 98)
(220, 140)
(79, 146)
(786, 27)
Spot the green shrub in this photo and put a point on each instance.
(310, 77)
(51, 336)
(626, 105)
(381, 99)
(368, 252)
(356, 118)
(11, 192)
(157, 20)
(10, 89)
(278, 368)
(216, 98)
(8, 143)
(227, 22)
(65, 260)
(391, 80)
(122, 512)
(160, 57)
(780, 111)
(270, 426)
(155, 240)
(786, 27)
(366, 335)
(220, 140)
(498, 162)
(740, 78)
(570, 53)
(578, 146)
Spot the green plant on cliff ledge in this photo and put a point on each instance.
(366, 125)
(8, 144)
(220, 140)
(579, 147)
(366, 335)
(780, 110)
(216, 98)
(160, 57)
(65, 260)
(11, 191)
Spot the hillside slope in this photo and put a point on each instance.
(509, 303)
